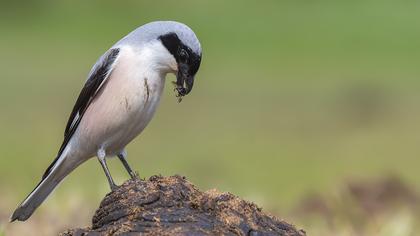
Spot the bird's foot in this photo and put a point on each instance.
(113, 187)
(134, 175)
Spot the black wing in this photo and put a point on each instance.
(98, 75)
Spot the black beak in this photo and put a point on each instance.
(184, 81)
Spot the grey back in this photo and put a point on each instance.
(151, 31)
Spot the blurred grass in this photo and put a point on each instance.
(384, 206)
(292, 96)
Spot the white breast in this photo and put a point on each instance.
(124, 106)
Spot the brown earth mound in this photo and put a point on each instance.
(174, 206)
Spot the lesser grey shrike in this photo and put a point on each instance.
(119, 99)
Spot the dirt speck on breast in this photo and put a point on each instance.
(146, 86)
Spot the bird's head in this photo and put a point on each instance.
(175, 49)
(185, 48)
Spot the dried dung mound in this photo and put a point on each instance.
(174, 206)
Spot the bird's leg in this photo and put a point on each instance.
(101, 157)
(112, 185)
(122, 156)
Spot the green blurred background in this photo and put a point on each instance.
(292, 97)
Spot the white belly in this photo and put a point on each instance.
(122, 109)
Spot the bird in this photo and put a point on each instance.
(118, 100)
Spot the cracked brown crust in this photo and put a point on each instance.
(173, 206)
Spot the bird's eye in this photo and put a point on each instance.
(183, 55)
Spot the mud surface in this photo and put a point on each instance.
(173, 206)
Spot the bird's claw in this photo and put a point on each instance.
(134, 175)
(113, 187)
